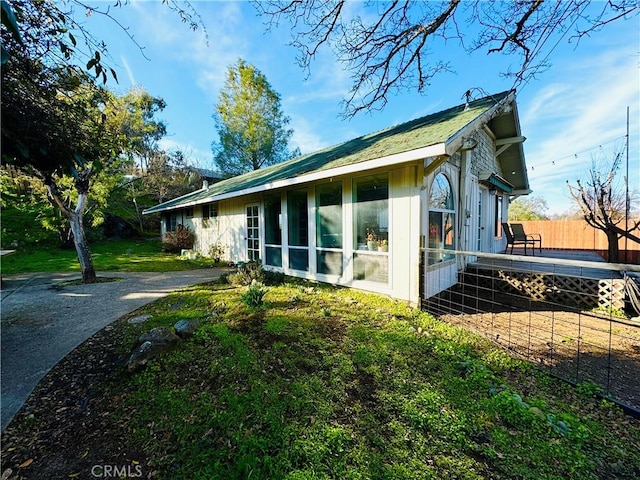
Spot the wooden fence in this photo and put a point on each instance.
(578, 235)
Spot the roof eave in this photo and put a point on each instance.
(396, 159)
(456, 141)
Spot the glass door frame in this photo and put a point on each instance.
(252, 232)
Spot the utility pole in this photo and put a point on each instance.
(626, 198)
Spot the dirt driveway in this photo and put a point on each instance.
(42, 320)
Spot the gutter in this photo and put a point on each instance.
(436, 150)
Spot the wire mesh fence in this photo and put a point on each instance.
(575, 319)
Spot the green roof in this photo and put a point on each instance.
(433, 129)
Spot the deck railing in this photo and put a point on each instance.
(574, 319)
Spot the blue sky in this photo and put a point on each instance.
(571, 114)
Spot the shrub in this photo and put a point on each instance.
(247, 273)
(216, 251)
(254, 296)
(273, 278)
(181, 239)
(253, 271)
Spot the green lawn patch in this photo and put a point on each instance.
(329, 383)
(143, 255)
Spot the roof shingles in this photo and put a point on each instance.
(430, 130)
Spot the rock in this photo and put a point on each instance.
(115, 226)
(538, 413)
(185, 328)
(139, 319)
(158, 336)
(151, 344)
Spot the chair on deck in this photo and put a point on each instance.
(519, 234)
(512, 240)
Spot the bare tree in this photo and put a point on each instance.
(389, 46)
(603, 205)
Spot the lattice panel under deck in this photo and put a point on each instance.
(611, 294)
(574, 291)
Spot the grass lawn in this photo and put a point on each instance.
(111, 255)
(316, 383)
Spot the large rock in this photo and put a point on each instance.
(139, 319)
(151, 344)
(185, 328)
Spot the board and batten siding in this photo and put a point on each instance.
(229, 229)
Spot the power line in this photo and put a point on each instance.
(582, 152)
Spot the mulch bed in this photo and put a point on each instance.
(65, 428)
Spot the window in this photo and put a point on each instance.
(441, 219)
(189, 212)
(329, 228)
(298, 229)
(253, 232)
(209, 210)
(371, 228)
(171, 222)
(273, 230)
(497, 224)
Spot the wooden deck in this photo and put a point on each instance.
(582, 264)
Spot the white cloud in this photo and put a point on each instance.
(207, 51)
(568, 120)
(305, 136)
(127, 68)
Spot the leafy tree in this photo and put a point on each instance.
(55, 120)
(49, 32)
(250, 124)
(390, 46)
(135, 119)
(170, 175)
(604, 205)
(51, 123)
(130, 121)
(528, 208)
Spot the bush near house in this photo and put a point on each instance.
(181, 239)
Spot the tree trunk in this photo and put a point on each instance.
(614, 251)
(75, 220)
(82, 248)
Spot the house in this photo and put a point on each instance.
(360, 213)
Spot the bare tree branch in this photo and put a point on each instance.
(601, 205)
(515, 36)
(388, 46)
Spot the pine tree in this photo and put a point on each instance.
(250, 123)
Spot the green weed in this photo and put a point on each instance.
(253, 297)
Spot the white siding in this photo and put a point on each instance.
(228, 229)
(405, 231)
